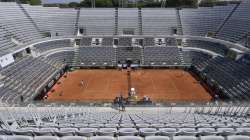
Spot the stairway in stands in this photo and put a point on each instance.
(227, 18)
(140, 21)
(179, 24)
(142, 56)
(116, 22)
(76, 60)
(28, 16)
(77, 20)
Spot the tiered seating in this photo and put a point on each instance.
(25, 77)
(60, 21)
(229, 77)
(214, 47)
(107, 41)
(61, 58)
(103, 123)
(158, 21)
(99, 21)
(200, 21)
(125, 41)
(86, 41)
(45, 46)
(171, 41)
(97, 56)
(194, 57)
(128, 53)
(128, 19)
(161, 56)
(238, 25)
(149, 41)
(6, 45)
(14, 24)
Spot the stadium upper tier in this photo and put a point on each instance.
(22, 23)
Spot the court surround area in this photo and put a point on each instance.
(103, 85)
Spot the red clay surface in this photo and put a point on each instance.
(105, 85)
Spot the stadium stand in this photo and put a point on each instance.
(105, 123)
(97, 21)
(16, 27)
(128, 53)
(212, 46)
(163, 24)
(49, 45)
(97, 56)
(128, 21)
(53, 20)
(233, 30)
(161, 56)
(201, 21)
(25, 27)
(230, 78)
(25, 78)
(194, 57)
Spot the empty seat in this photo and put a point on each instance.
(187, 131)
(46, 138)
(46, 132)
(88, 132)
(130, 138)
(147, 131)
(212, 138)
(67, 131)
(167, 131)
(243, 131)
(226, 131)
(102, 138)
(127, 131)
(157, 138)
(184, 138)
(206, 131)
(127, 125)
(238, 137)
(19, 138)
(107, 131)
(81, 125)
(73, 138)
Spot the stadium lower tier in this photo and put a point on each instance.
(30, 76)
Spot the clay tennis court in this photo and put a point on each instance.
(105, 85)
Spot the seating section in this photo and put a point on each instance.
(230, 78)
(207, 45)
(107, 42)
(194, 57)
(125, 41)
(161, 56)
(238, 25)
(128, 53)
(15, 27)
(99, 21)
(57, 21)
(25, 78)
(55, 44)
(62, 58)
(128, 21)
(107, 124)
(97, 56)
(200, 21)
(85, 41)
(158, 21)
(6, 45)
